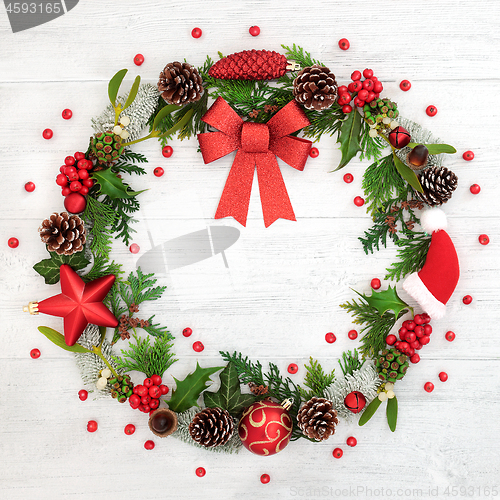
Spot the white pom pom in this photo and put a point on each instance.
(433, 219)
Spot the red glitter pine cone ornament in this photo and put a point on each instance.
(252, 65)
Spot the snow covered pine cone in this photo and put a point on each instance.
(315, 87)
(180, 83)
(212, 427)
(438, 184)
(63, 234)
(317, 419)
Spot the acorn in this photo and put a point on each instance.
(417, 157)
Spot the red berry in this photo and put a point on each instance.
(483, 239)
(187, 332)
(415, 344)
(67, 114)
(418, 319)
(154, 391)
(350, 87)
(146, 408)
(362, 94)
(134, 401)
(145, 400)
(196, 33)
(83, 394)
(29, 186)
(149, 445)
(158, 171)
(141, 390)
(411, 325)
(351, 441)
(314, 152)
(449, 336)
(200, 471)
(156, 379)
(358, 102)
(134, 248)
(344, 44)
(47, 133)
(443, 376)
(402, 332)
(410, 337)
(368, 84)
(353, 334)
(62, 169)
(415, 358)
(346, 108)
(138, 59)
(254, 30)
(431, 110)
(83, 174)
(79, 156)
(355, 76)
(426, 317)
(167, 151)
(429, 386)
(391, 339)
(397, 345)
(425, 339)
(405, 85)
(419, 331)
(348, 178)
(35, 353)
(147, 382)
(293, 368)
(154, 403)
(141, 408)
(467, 300)
(377, 88)
(92, 426)
(264, 479)
(368, 73)
(13, 242)
(69, 160)
(357, 86)
(61, 180)
(88, 182)
(375, 283)
(468, 156)
(198, 346)
(410, 351)
(163, 389)
(427, 329)
(69, 170)
(129, 429)
(84, 191)
(342, 90)
(337, 453)
(66, 191)
(330, 338)
(75, 186)
(475, 189)
(371, 97)
(358, 201)
(82, 164)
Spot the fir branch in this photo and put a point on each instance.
(123, 164)
(122, 224)
(371, 147)
(114, 302)
(102, 267)
(155, 329)
(316, 379)
(299, 55)
(100, 217)
(146, 358)
(327, 121)
(351, 362)
(247, 371)
(412, 253)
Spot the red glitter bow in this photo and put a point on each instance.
(257, 145)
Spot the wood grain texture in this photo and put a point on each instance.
(281, 291)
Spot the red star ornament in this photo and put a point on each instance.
(79, 303)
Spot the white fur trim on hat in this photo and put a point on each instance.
(432, 220)
(416, 288)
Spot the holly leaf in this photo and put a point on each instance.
(407, 174)
(369, 411)
(49, 268)
(188, 391)
(392, 413)
(435, 149)
(58, 339)
(385, 300)
(229, 396)
(112, 185)
(349, 137)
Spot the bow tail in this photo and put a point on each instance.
(273, 194)
(236, 195)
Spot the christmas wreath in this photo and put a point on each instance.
(260, 101)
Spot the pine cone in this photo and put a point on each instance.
(212, 427)
(317, 419)
(180, 83)
(315, 87)
(438, 184)
(63, 233)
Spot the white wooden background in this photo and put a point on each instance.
(281, 292)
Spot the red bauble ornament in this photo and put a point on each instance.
(92, 426)
(129, 429)
(75, 203)
(399, 137)
(355, 401)
(450, 336)
(330, 338)
(47, 133)
(375, 283)
(200, 471)
(29, 186)
(265, 478)
(254, 31)
(265, 428)
(337, 453)
(405, 85)
(348, 178)
(358, 201)
(351, 441)
(431, 110)
(475, 188)
(468, 156)
(83, 394)
(35, 353)
(484, 239)
(344, 44)
(196, 33)
(138, 59)
(293, 368)
(13, 242)
(149, 445)
(187, 332)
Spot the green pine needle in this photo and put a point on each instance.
(101, 218)
(122, 207)
(371, 146)
(316, 379)
(298, 54)
(123, 165)
(351, 362)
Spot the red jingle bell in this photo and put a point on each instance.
(399, 137)
(355, 401)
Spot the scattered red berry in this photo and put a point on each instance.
(149, 445)
(67, 114)
(92, 426)
(29, 186)
(167, 151)
(429, 386)
(35, 353)
(443, 376)
(344, 44)
(358, 201)
(351, 441)
(293, 368)
(475, 189)
(264, 479)
(254, 31)
(330, 338)
(353, 334)
(138, 59)
(337, 453)
(405, 85)
(483, 239)
(346, 108)
(348, 178)
(200, 471)
(468, 156)
(467, 300)
(134, 248)
(196, 33)
(187, 332)
(129, 429)
(158, 171)
(314, 153)
(375, 283)
(47, 134)
(83, 394)
(450, 336)
(198, 346)
(13, 242)
(431, 110)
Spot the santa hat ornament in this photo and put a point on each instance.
(434, 284)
